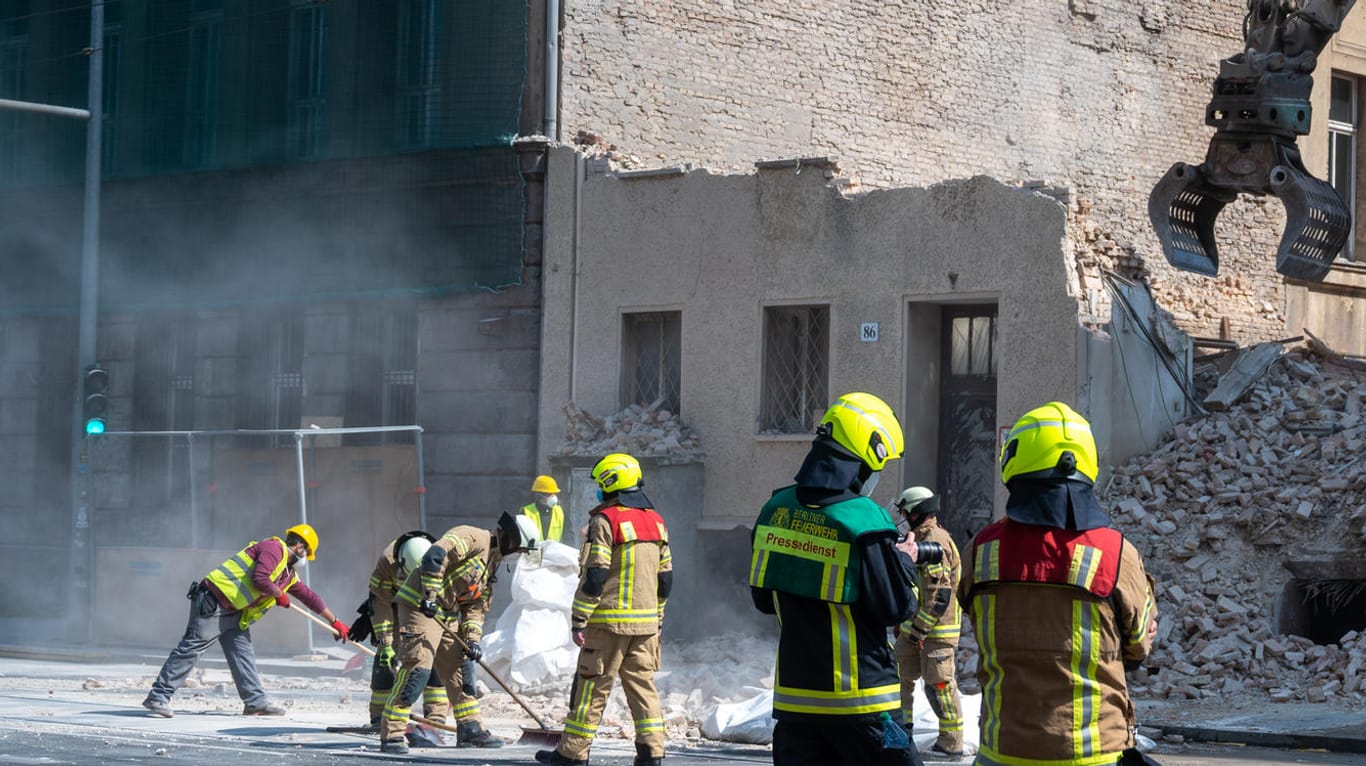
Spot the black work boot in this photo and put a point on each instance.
(472, 734)
(643, 757)
(553, 758)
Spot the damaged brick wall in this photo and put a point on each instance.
(1098, 96)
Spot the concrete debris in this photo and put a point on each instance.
(1217, 511)
(640, 430)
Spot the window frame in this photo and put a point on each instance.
(802, 411)
(1338, 129)
(667, 375)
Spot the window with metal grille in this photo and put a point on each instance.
(972, 346)
(163, 400)
(651, 364)
(419, 89)
(1342, 149)
(383, 389)
(796, 368)
(271, 387)
(306, 83)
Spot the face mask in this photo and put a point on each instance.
(599, 494)
(550, 501)
(300, 562)
(870, 484)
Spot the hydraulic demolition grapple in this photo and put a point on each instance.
(1260, 106)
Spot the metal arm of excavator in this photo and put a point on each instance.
(1260, 106)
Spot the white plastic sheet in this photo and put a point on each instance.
(530, 644)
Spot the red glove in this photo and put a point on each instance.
(282, 600)
(341, 629)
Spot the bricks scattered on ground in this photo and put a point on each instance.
(641, 430)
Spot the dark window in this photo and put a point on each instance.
(306, 88)
(109, 116)
(419, 89)
(652, 352)
(796, 368)
(383, 390)
(13, 51)
(163, 400)
(201, 82)
(271, 388)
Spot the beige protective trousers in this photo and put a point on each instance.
(423, 646)
(603, 658)
(934, 661)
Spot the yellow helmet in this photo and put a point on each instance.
(304, 532)
(616, 472)
(545, 485)
(1051, 441)
(865, 426)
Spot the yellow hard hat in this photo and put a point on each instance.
(616, 472)
(304, 532)
(545, 485)
(1051, 441)
(865, 426)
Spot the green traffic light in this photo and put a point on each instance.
(94, 426)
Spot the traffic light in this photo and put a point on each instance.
(96, 402)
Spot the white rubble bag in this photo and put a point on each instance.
(751, 720)
(531, 643)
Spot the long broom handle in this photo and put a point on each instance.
(494, 676)
(327, 625)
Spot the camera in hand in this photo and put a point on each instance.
(926, 553)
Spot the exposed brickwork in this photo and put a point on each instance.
(1099, 96)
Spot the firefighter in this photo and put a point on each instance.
(1060, 604)
(927, 642)
(443, 600)
(827, 561)
(223, 607)
(617, 615)
(377, 613)
(545, 510)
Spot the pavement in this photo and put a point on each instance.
(338, 699)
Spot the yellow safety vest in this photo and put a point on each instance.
(556, 530)
(232, 578)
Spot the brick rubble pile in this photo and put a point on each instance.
(639, 430)
(1280, 476)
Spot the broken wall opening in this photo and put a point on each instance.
(1323, 610)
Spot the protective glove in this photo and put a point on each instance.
(428, 605)
(473, 650)
(341, 629)
(386, 656)
(467, 684)
(360, 629)
(282, 600)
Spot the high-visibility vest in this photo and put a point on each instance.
(232, 578)
(810, 551)
(556, 530)
(1008, 551)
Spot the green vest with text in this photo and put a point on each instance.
(811, 551)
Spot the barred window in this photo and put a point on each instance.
(796, 368)
(383, 389)
(652, 353)
(271, 388)
(163, 400)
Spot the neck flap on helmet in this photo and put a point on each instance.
(1061, 503)
(829, 474)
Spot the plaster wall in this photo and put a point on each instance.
(1099, 96)
(719, 249)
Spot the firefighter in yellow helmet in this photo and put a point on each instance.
(545, 510)
(826, 559)
(927, 642)
(377, 613)
(1060, 604)
(223, 607)
(617, 613)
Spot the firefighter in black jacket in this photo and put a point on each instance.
(826, 560)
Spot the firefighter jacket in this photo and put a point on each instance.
(628, 573)
(939, 616)
(1058, 614)
(457, 573)
(236, 585)
(384, 585)
(552, 531)
(834, 658)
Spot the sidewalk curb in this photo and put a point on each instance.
(1288, 740)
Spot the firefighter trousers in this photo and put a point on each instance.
(934, 661)
(424, 647)
(604, 657)
(436, 705)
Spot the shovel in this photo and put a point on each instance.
(544, 735)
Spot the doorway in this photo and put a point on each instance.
(966, 475)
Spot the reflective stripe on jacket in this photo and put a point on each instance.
(632, 545)
(939, 615)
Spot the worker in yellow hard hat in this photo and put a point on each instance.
(1060, 604)
(545, 510)
(224, 605)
